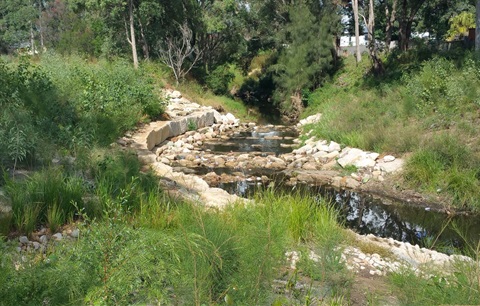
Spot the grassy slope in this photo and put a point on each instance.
(429, 109)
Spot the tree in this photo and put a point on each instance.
(118, 14)
(358, 55)
(390, 18)
(179, 52)
(477, 31)
(459, 25)
(372, 45)
(17, 21)
(408, 12)
(305, 58)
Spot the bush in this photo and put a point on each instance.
(219, 79)
(111, 96)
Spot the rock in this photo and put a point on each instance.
(75, 233)
(333, 146)
(322, 147)
(337, 182)
(330, 165)
(43, 239)
(391, 167)
(332, 154)
(230, 119)
(164, 160)
(364, 162)
(320, 154)
(388, 158)
(179, 144)
(175, 94)
(310, 119)
(373, 155)
(351, 156)
(219, 161)
(310, 166)
(243, 157)
(303, 150)
(23, 239)
(36, 245)
(57, 236)
(351, 183)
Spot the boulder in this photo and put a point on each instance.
(333, 146)
(388, 158)
(310, 166)
(350, 157)
(175, 94)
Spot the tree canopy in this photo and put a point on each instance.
(300, 36)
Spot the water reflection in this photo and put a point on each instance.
(400, 221)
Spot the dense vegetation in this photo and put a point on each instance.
(428, 106)
(68, 90)
(63, 105)
(212, 41)
(139, 246)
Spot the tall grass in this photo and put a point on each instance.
(445, 163)
(170, 252)
(459, 286)
(47, 196)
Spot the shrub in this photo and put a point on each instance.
(219, 79)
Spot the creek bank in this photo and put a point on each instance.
(178, 155)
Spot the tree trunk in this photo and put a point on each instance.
(32, 39)
(372, 46)
(477, 30)
(40, 25)
(402, 32)
(390, 17)
(358, 55)
(132, 35)
(145, 48)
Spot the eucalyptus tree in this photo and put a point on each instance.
(17, 22)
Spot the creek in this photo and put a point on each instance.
(364, 213)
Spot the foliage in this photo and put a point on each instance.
(459, 25)
(183, 254)
(461, 287)
(219, 79)
(407, 114)
(49, 196)
(63, 103)
(306, 42)
(445, 163)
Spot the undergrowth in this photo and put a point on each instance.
(145, 247)
(428, 108)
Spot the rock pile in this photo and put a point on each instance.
(401, 255)
(40, 240)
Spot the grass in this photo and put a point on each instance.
(426, 108)
(149, 248)
(460, 288)
(196, 93)
(46, 196)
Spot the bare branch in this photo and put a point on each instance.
(179, 54)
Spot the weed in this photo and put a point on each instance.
(191, 125)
